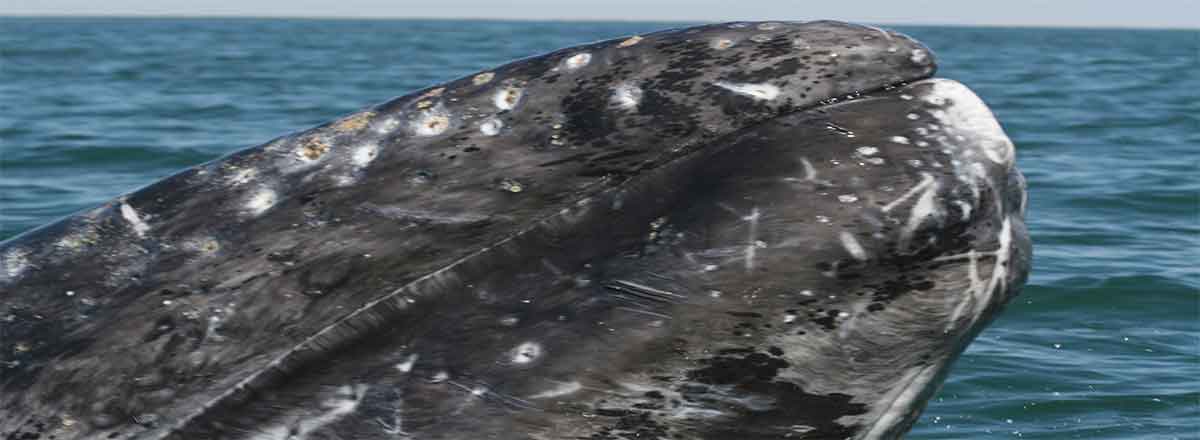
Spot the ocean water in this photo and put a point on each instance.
(1104, 343)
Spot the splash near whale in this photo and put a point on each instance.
(741, 230)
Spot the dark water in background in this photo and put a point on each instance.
(1103, 344)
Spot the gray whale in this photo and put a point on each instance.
(731, 231)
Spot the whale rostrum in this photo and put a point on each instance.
(750, 230)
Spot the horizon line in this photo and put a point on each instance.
(579, 20)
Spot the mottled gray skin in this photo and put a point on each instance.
(734, 231)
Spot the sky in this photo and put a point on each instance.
(1081, 13)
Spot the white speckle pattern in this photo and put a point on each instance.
(899, 140)
(626, 96)
(578, 60)
(139, 226)
(764, 91)
(847, 198)
(261, 201)
(912, 116)
(853, 246)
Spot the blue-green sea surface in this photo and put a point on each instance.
(1104, 343)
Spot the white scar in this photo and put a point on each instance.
(853, 246)
(135, 221)
(562, 389)
(763, 91)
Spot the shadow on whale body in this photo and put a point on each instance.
(747, 230)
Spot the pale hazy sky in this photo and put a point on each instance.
(1121, 13)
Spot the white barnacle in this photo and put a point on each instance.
(507, 98)
(432, 122)
(139, 226)
(241, 176)
(387, 125)
(899, 140)
(721, 44)
(364, 154)
(260, 201)
(491, 126)
(578, 60)
(626, 96)
(631, 41)
(483, 78)
(853, 246)
(763, 91)
(526, 352)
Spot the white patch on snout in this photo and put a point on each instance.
(968, 114)
(763, 91)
